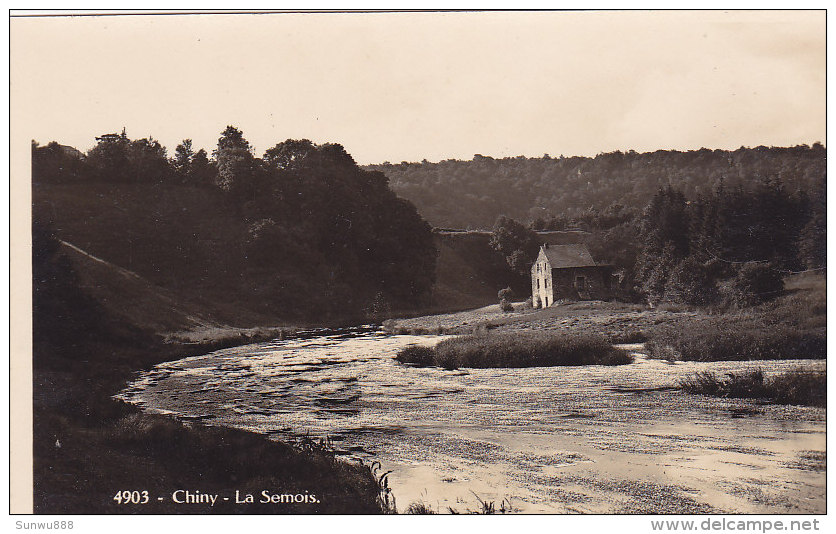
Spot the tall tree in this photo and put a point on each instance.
(201, 171)
(236, 164)
(517, 243)
(183, 155)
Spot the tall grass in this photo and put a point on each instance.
(798, 386)
(725, 339)
(517, 349)
(791, 327)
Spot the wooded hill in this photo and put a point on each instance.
(472, 194)
(301, 234)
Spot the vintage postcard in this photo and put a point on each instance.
(479, 262)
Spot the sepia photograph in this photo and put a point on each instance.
(425, 262)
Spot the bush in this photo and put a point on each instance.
(754, 283)
(506, 306)
(517, 349)
(793, 326)
(417, 355)
(505, 294)
(798, 386)
(691, 283)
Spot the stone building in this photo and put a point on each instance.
(568, 272)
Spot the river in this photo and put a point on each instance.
(587, 439)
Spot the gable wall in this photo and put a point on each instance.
(541, 281)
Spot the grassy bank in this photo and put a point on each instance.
(798, 386)
(790, 327)
(521, 349)
(88, 446)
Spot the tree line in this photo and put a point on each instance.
(309, 233)
(471, 194)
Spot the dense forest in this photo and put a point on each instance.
(472, 194)
(299, 233)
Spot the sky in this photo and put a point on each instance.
(413, 86)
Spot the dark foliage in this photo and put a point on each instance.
(56, 163)
(65, 319)
(304, 233)
(728, 339)
(753, 284)
(732, 244)
(516, 242)
(798, 386)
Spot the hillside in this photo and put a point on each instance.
(301, 235)
(165, 275)
(129, 298)
(472, 194)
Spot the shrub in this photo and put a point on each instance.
(517, 349)
(506, 306)
(628, 336)
(505, 294)
(754, 283)
(691, 283)
(798, 386)
(417, 355)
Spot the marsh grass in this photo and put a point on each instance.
(517, 349)
(420, 508)
(729, 339)
(791, 327)
(798, 386)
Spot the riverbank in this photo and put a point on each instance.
(791, 326)
(617, 321)
(88, 446)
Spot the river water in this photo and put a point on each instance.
(590, 439)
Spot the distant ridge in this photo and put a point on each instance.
(473, 193)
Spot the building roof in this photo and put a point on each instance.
(563, 256)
